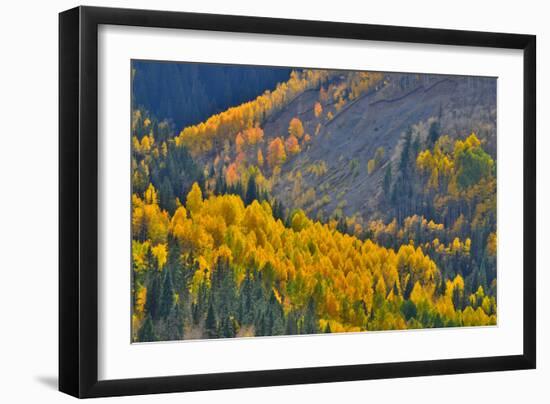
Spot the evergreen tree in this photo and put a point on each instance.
(408, 288)
(150, 259)
(195, 314)
(267, 324)
(175, 323)
(433, 133)
(404, 160)
(438, 321)
(341, 226)
(202, 303)
(147, 333)
(310, 319)
(167, 295)
(153, 295)
(278, 210)
(276, 314)
(387, 181)
(458, 298)
(224, 291)
(211, 323)
(408, 308)
(251, 190)
(227, 328)
(292, 323)
(246, 314)
(482, 277)
(259, 324)
(221, 186)
(167, 199)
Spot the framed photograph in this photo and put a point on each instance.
(250, 201)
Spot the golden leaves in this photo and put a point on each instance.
(276, 153)
(295, 128)
(492, 244)
(292, 145)
(351, 270)
(246, 117)
(148, 221)
(160, 252)
(318, 109)
(194, 199)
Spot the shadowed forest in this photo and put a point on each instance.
(281, 201)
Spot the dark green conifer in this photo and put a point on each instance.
(153, 296)
(311, 322)
(146, 332)
(211, 323)
(167, 295)
(251, 190)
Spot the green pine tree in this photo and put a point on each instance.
(292, 324)
(167, 295)
(433, 133)
(310, 319)
(387, 181)
(251, 190)
(175, 323)
(147, 333)
(228, 329)
(211, 323)
(153, 297)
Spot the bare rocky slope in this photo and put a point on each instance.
(330, 173)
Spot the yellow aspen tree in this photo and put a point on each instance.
(193, 202)
(151, 195)
(260, 158)
(371, 165)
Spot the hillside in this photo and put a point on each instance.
(346, 143)
(187, 93)
(337, 201)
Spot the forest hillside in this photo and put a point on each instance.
(335, 201)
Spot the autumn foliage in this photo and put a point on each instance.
(356, 285)
(276, 153)
(224, 126)
(216, 255)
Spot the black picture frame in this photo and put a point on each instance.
(78, 201)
